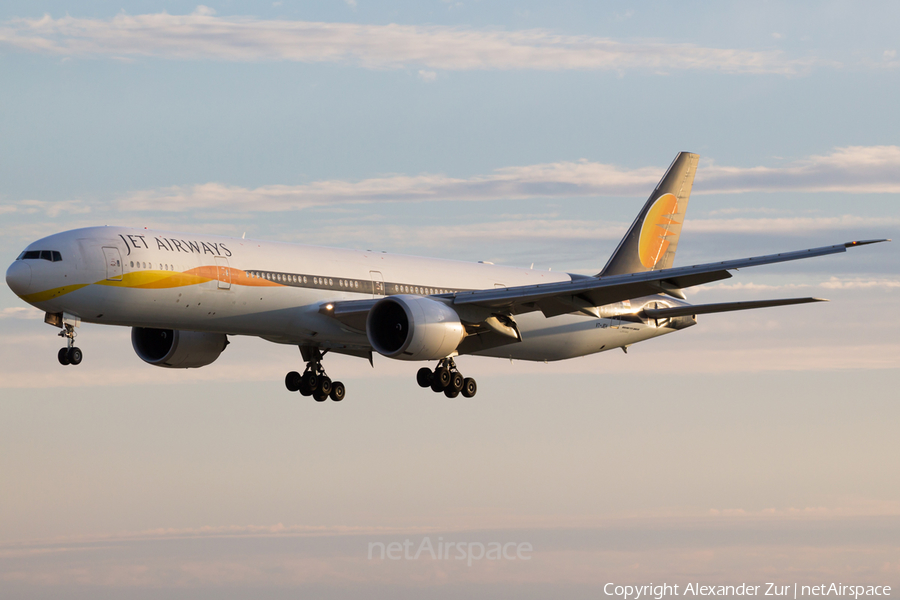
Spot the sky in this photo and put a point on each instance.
(756, 447)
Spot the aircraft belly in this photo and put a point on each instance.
(287, 314)
(569, 336)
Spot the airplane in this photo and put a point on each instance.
(183, 295)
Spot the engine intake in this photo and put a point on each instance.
(414, 328)
(176, 349)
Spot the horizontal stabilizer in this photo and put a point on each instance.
(702, 309)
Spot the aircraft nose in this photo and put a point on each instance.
(18, 278)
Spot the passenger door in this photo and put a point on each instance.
(377, 284)
(223, 273)
(113, 263)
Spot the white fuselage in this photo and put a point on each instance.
(145, 278)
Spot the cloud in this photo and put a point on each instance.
(21, 312)
(565, 179)
(853, 284)
(852, 169)
(202, 35)
(51, 209)
(855, 169)
(439, 236)
(258, 363)
(720, 547)
(833, 283)
(786, 225)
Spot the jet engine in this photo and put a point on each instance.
(176, 349)
(414, 328)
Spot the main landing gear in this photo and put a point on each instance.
(70, 355)
(445, 378)
(314, 382)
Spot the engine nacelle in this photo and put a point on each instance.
(414, 328)
(176, 349)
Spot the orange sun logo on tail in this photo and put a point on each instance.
(653, 243)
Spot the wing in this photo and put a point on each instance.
(584, 294)
(580, 294)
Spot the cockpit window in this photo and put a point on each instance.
(51, 255)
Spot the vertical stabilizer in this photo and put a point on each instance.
(651, 241)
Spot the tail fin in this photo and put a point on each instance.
(653, 237)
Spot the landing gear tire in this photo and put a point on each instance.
(310, 382)
(456, 382)
(424, 377)
(314, 382)
(469, 387)
(292, 381)
(447, 379)
(70, 355)
(74, 355)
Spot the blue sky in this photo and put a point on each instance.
(516, 132)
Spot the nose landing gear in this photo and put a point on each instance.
(314, 382)
(447, 379)
(70, 355)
